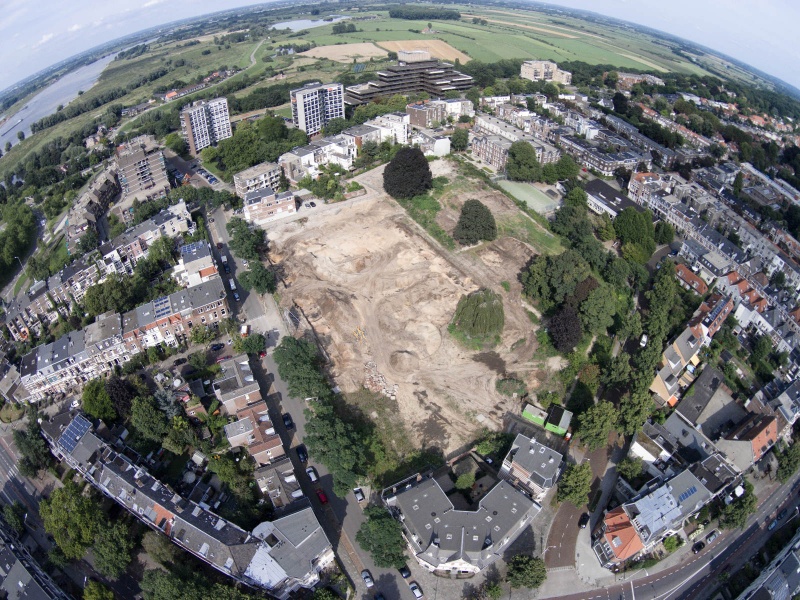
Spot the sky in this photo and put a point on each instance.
(37, 34)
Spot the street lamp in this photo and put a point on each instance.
(546, 549)
(20, 262)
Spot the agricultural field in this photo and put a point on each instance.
(347, 52)
(375, 273)
(437, 48)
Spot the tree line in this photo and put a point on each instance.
(420, 13)
(75, 109)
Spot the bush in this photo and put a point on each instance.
(476, 223)
(511, 386)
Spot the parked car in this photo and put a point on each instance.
(287, 421)
(698, 547)
(712, 536)
(367, 577)
(415, 589)
(262, 354)
(236, 296)
(584, 520)
(773, 525)
(782, 514)
(313, 204)
(217, 347)
(358, 494)
(219, 245)
(75, 403)
(302, 454)
(323, 498)
(179, 361)
(245, 263)
(312, 474)
(405, 572)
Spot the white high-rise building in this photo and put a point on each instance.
(315, 104)
(206, 123)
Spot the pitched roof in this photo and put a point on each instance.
(621, 535)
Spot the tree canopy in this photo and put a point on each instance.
(459, 140)
(72, 519)
(96, 402)
(526, 571)
(381, 536)
(522, 164)
(245, 242)
(564, 328)
(596, 423)
(408, 174)
(258, 278)
(476, 223)
(480, 314)
(575, 484)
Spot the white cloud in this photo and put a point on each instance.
(75, 27)
(150, 3)
(45, 38)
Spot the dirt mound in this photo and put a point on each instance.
(404, 361)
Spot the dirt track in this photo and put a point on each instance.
(370, 267)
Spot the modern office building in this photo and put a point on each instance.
(141, 169)
(544, 70)
(414, 72)
(315, 104)
(206, 123)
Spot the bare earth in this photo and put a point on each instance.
(369, 266)
(437, 48)
(346, 52)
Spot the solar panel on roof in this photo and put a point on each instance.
(162, 307)
(74, 432)
(690, 492)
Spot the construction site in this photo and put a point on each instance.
(379, 295)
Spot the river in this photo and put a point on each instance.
(306, 23)
(45, 102)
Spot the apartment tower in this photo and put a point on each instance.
(206, 123)
(315, 104)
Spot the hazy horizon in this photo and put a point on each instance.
(41, 35)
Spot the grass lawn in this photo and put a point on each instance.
(11, 412)
(20, 283)
(58, 255)
(527, 230)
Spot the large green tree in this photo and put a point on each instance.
(299, 366)
(598, 310)
(480, 315)
(408, 174)
(32, 446)
(381, 536)
(476, 223)
(112, 549)
(160, 548)
(96, 402)
(522, 164)
(575, 484)
(245, 242)
(258, 278)
(459, 140)
(596, 423)
(334, 443)
(73, 519)
(95, 590)
(526, 571)
(148, 420)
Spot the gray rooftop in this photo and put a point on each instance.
(443, 534)
(541, 462)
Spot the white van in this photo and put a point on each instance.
(233, 284)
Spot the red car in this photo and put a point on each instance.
(262, 354)
(322, 497)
